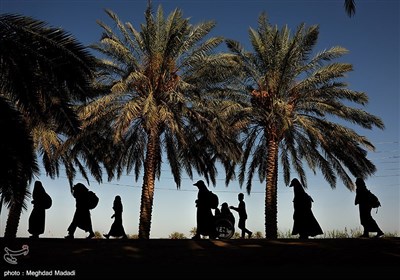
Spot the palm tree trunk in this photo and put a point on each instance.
(1, 204)
(146, 206)
(14, 215)
(271, 197)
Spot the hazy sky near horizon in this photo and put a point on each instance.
(372, 37)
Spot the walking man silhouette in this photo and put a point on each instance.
(241, 209)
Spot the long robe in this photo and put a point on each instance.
(82, 218)
(204, 215)
(305, 224)
(41, 201)
(365, 208)
(117, 229)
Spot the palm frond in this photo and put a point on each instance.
(350, 7)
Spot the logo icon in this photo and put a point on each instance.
(10, 255)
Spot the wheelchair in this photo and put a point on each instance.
(224, 228)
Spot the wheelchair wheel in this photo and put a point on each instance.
(225, 229)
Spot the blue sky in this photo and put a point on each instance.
(372, 38)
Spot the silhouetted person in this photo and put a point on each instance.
(241, 209)
(81, 217)
(305, 224)
(117, 229)
(41, 201)
(226, 213)
(204, 216)
(364, 206)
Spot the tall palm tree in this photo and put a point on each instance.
(18, 160)
(165, 87)
(18, 164)
(43, 71)
(294, 98)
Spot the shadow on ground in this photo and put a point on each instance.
(185, 259)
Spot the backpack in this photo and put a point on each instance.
(213, 200)
(47, 201)
(373, 200)
(93, 200)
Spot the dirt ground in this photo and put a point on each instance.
(216, 259)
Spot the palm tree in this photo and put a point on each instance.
(43, 71)
(293, 100)
(18, 160)
(165, 87)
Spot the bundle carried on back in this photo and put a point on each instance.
(373, 200)
(93, 200)
(213, 200)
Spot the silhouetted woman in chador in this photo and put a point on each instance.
(117, 229)
(82, 218)
(362, 200)
(41, 201)
(204, 215)
(304, 222)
